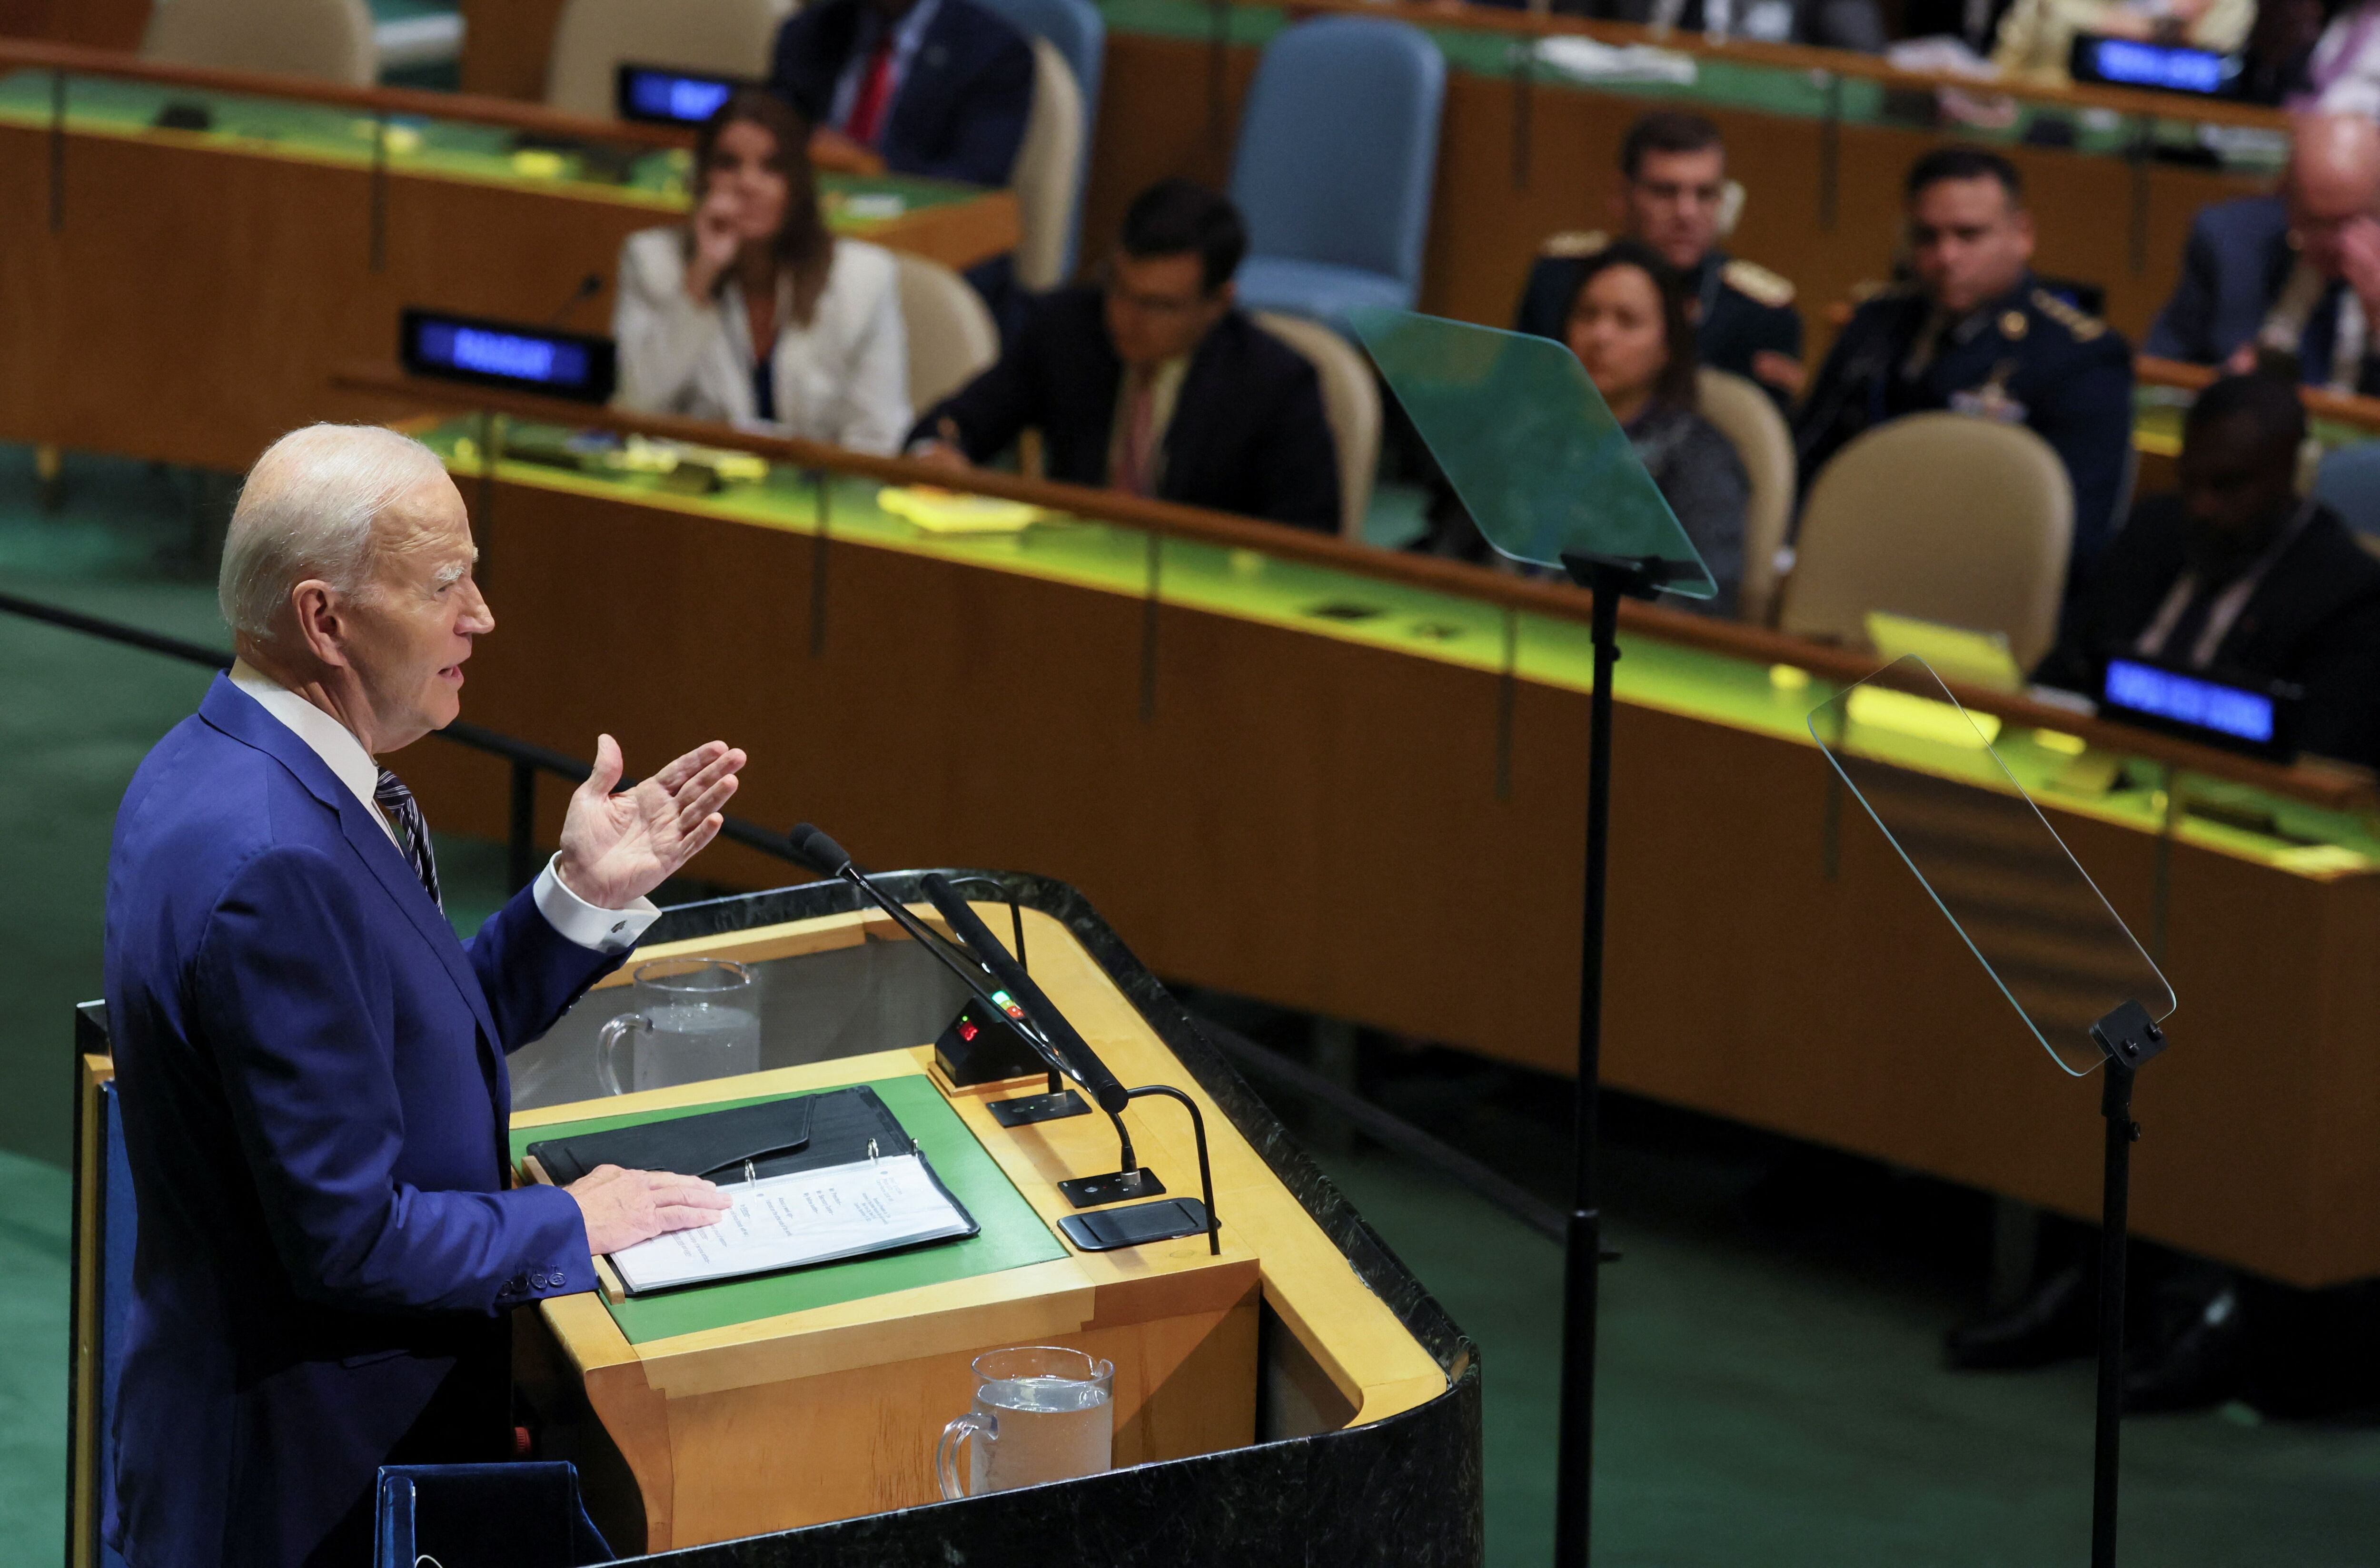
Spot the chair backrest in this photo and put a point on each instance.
(1748, 419)
(2347, 481)
(952, 335)
(1943, 516)
(1351, 401)
(729, 37)
(1078, 31)
(328, 39)
(1339, 145)
(1049, 174)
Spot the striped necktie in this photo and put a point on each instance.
(397, 800)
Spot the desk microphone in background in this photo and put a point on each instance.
(589, 287)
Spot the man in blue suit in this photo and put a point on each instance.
(938, 88)
(2297, 275)
(312, 1066)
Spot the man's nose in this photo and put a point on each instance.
(478, 619)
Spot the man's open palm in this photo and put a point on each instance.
(617, 848)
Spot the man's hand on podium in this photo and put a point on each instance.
(617, 848)
(623, 1208)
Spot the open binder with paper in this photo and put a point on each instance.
(813, 1178)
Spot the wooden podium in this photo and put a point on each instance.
(1294, 1398)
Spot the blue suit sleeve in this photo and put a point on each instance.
(2184, 329)
(303, 1034)
(531, 972)
(2089, 423)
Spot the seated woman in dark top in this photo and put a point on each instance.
(1629, 326)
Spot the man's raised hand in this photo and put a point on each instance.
(617, 848)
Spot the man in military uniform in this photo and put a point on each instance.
(1673, 193)
(1976, 332)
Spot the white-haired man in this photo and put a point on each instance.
(312, 1066)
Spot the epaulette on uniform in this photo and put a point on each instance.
(1574, 245)
(2084, 327)
(1751, 279)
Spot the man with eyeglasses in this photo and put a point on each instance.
(1155, 382)
(1673, 196)
(2294, 276)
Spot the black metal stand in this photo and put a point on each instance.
(1609, 578)
(2130, 1037)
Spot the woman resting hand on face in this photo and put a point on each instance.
(1628, 325)
(751, 313)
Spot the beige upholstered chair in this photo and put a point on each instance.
(1748, 419)
(1351, 401)
(1943, 516)
(1048, 169)
(952, 337)
(328, 39)
(729, 37)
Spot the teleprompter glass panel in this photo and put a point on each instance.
(1925, 770)
(1528, 445)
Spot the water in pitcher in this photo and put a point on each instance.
(1048, 1430)
(693, 1041)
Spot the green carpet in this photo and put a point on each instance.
(1767, 1398)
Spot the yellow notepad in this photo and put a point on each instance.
(949, 511)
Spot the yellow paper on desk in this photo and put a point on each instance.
(950, 512)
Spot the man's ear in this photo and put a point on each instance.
(2024, 230)
(321, 612)
(1228, 294)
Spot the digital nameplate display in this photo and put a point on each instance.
(2234, 717)
(668, 95)
(504, 353)
(2168, 67)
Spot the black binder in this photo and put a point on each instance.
(777, 1137)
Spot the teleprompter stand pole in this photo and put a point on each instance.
(2130, 1037)
(1609, 578)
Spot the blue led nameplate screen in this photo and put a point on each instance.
(559, 364)
(2129, 63)
(670, 96)
(2228, 711)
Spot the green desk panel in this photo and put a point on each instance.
(420, 145)
(1012, 1235)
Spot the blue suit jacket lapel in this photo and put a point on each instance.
(239, 715)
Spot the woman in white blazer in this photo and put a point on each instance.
(751, 312)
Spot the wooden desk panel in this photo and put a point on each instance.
(193, 305)
(1318, 823)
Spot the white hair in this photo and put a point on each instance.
(307, 510)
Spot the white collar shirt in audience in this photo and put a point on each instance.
(907, 34)
(606, 931)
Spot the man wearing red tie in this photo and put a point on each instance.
(939, 87)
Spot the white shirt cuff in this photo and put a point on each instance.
(606, 931)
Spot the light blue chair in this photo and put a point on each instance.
(2349, 483)
(1078, 31)
(1338, 153)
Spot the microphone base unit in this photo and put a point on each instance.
(1086, 1192)
(1027, 1109)
(979, 1047)
(1108, 1229)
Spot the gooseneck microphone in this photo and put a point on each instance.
(1089, 1071)
(589, 287)
(814, 848)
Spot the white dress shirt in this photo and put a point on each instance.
(841, 377)
(605, 931)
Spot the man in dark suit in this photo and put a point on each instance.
(2297, 275)
(1155, 382)
(2238, 576)
(312, 1066)
(1673, 188)
(1977, 333)
(939, 87)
